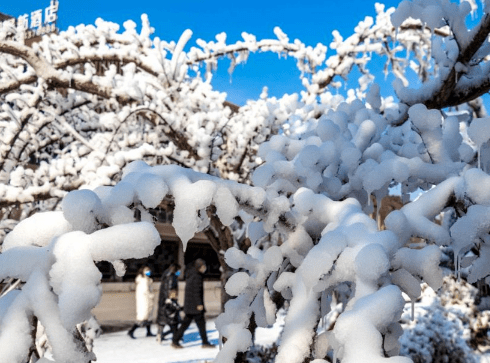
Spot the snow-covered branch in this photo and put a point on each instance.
(458, 58)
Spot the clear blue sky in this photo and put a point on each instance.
(310, 21)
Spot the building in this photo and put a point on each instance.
(35, 24)
(170, 250)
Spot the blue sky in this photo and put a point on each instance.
(310, 21)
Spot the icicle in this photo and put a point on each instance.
(220, 339)
(379, 201)
(479, 157)
(456, 264)
(432, 36)
(325, 306)
(336, 355)
(413, 309)
(459, 269)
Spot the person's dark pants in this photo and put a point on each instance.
(141, 324)
(201, 325)
(173, 330)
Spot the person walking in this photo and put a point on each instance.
(168, 307)
(144, 301)
(193, 303)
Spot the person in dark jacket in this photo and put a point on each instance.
(168, 307)
(193, 303)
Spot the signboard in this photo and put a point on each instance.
(38, 22)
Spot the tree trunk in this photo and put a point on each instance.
(221, 238)
(33, 353)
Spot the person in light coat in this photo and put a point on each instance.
(144, 301)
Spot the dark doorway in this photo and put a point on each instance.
(205, 251)
(166, 253)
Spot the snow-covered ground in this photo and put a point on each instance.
(120, 348)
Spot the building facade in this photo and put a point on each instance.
(169, 251)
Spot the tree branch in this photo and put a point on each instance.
(176, 137)
(445, 96)
(107, 58)
(54, 78)
(237, 48)
(13, 85)
(23, 122)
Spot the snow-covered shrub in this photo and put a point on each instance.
(446, 326)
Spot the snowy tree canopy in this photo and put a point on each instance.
(92, 118)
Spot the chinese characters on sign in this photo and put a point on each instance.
(38, 22)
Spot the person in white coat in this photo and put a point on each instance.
(144, 302)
